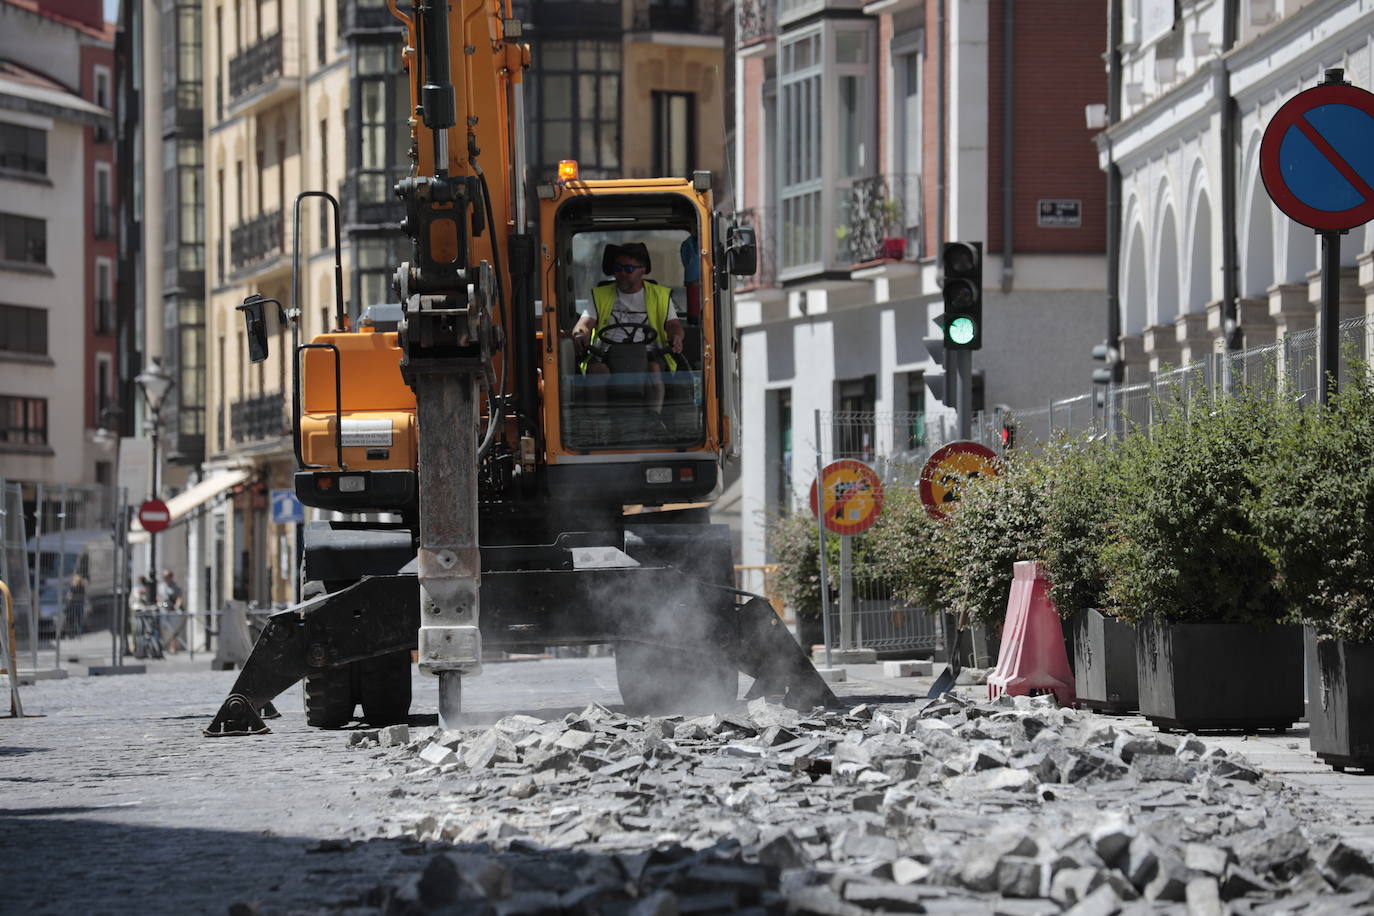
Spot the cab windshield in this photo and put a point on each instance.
(632, 341)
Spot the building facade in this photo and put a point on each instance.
(1204, 259)
(58, 353)
(867, 136)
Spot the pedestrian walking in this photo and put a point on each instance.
(171, 608)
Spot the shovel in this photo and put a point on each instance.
(951, 673)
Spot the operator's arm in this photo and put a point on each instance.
(582, 331)
(675, 334)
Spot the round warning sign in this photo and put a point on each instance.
(952, 468)
(853, 496)
(1317, 157)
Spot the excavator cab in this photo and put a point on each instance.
(629, 392)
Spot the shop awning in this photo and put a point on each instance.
(184, 503)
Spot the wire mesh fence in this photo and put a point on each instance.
(65, 561)
(1285, 368)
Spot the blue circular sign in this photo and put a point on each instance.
(1317, 157)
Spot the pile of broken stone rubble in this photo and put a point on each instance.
(1014, 806)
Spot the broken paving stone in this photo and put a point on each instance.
(575, 739)
(1340, 861)
(1231, 768)
(906, 870)
(783, 850)
(1161, 768)
(1207, 860)
(362, 737)
(1101, 902)
(1169, 883)
(1128, 745)
(1018, 876)
(889, 898)
(437, 755)
(1282, 855)
(1203, 897)
(1112, 839)
(1071, 885)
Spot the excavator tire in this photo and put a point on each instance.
(330, 697)
(385, 684)
(655, 680)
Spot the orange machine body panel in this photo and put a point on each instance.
(378, 408)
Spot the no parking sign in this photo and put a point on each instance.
(1317, 157)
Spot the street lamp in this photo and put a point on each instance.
(155, 384)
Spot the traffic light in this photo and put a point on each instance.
(1008, 435)
(1110, 373)
(962, 263)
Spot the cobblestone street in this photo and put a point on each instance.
(114, 803)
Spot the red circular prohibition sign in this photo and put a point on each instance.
(1293, 114)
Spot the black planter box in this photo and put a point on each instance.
(1340, 700)
(1219, 676)
(1104, 662)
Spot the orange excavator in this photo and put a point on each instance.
(516, 477)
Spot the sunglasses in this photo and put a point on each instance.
(625, 268)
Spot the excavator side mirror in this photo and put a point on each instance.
(254, 310)
(742, 251)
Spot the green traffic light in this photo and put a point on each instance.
(960, 331)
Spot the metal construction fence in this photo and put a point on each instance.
(1285, 368)
(64, 556)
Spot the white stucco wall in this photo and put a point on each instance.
(62, 293)
(1168, 149)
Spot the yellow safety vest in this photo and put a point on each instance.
(656, 300)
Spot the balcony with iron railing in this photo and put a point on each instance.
(262, 72)
(257, 244)
(697, 17)
(255, 420)
(880, 220)
(756, 21)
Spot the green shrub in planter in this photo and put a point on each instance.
(1084, 480)
(1080, 509)
(1185, 560)
(1184, 543)
(906, 544)
(1000, 520)
(1316, 519)
(1315, 514)
(792, 542)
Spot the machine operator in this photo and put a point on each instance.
(625, 305)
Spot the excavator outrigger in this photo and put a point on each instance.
(521, 480)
